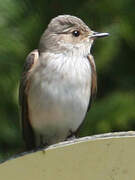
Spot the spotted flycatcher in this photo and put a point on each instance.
(58, 82)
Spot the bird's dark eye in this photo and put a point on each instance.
(76, 33)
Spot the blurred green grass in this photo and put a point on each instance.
(21, 25)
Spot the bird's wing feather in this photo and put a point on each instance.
(93, 87)
(93, 79)
(29, 65)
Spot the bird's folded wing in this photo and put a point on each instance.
(93, 79)
(31, 62)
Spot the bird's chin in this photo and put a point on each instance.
(72, 49)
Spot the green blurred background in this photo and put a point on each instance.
(21, 24)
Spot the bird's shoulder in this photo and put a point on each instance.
(30, 63)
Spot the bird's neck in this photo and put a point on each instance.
(69, 50)
(65, 62)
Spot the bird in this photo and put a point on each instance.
(58, 82)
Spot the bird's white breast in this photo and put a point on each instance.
(59, 95)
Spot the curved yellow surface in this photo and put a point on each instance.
(102, 157)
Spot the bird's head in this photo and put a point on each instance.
(66, 34)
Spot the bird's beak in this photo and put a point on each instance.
(98, 35)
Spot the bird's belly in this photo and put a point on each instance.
(56, 112)
(58, 107)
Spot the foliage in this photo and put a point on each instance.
(21, 25)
